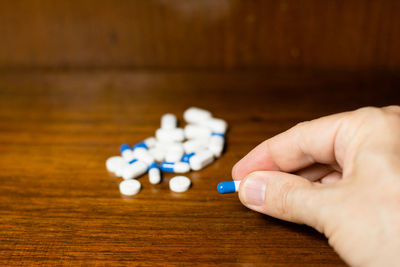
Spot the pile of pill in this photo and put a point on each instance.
(173, 149)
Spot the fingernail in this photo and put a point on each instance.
(254, 190)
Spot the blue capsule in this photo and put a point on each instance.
(186, 157)
(132, 161)
(228, 187)
(153, 165)
(140, 144)
(218, 134)
(124, 147)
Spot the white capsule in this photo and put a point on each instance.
(175, 167)
(134, 170)
(169, 121)
(129, 187)
(216, 145)
(195, 115)
(142, 154)
(114, 163)
(154, 174)
(150, 142)
(201, 159)
(193, 131)
(121, 169)
(216, 125)
(174, 153)
(127, 154)
(194, 145)
(157, 153)
(179, 184)
(173, 135)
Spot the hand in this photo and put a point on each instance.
(339, 174)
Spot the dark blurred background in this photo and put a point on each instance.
(208, 34)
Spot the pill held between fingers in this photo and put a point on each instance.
(129, 187)
(228, 187)
(179, 184)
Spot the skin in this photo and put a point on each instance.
(339, 174)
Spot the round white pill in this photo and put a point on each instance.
(179, 184)
(114, 163)
(129, 187)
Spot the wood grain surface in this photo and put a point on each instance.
(228, 34)
(59, 206)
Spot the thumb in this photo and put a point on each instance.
(284, 196)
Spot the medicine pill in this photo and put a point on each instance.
(169, 121)
(114, 163)
(147, 143)
(150, 142)
(228, 187)
(194, 145)
(216, 144)
(175, 167)
(121, 169)
(173, 150)
(172, 135)
(216, 125)
(154, 174)
(196, 115)
(143, 154)
(157, 153)
(135, 169)
(199, 160)
(174, 153)
(179, 184)
(193, 131)
(129, 187)
(126, 152)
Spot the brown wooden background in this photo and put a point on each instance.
(78, 78)
(226, 34)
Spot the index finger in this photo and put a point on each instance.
(300, 146)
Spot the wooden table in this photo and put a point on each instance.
(59, 206)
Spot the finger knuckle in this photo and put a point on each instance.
(285, 200)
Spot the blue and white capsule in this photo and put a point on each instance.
(141, 153)
(198, 160)
(175, 167)
(134, 169)
(147, 143)
(154, 174)
(228, 187)
(126, 152)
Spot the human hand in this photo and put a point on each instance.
(339, 174)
